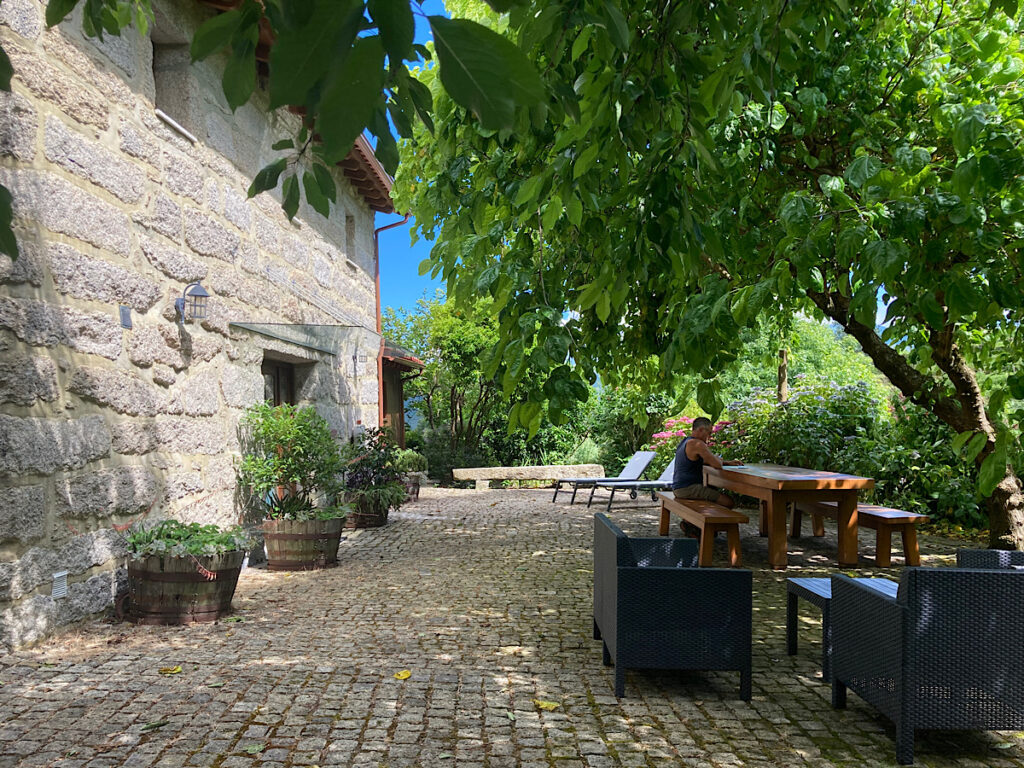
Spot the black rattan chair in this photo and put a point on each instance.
(989, 558)
(943, 654)
(655, 609)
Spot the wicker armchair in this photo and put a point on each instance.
(989, 558)
(943, 654)
(654, 609)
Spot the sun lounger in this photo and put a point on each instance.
(636, 466)
(635, 487)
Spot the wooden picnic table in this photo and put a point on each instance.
(777, 487)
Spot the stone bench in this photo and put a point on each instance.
(710, 518)
(551, 472)
(885, 520)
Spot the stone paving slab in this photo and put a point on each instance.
(486, 599)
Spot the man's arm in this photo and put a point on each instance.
(711, 459)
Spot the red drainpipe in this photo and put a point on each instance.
(380, 327)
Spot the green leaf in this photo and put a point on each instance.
(214, 34)
(6, 71)
(501, 6)
(327, 186)
(57, 10)
(484, 71)
(974, 447)
(154, 725)
(862, 169)
(314, 196)
(301, 56)
(967, 132)
(556, 347)
(290, 193)
(933, 313)
(283, 144)
(240, 73)
(574, 210)
(585, 160)
(529, 190)
(552, 213)
(397, 28)
(8, 243)
(1016, 384)
(350, 97)
(618, 30)
(993, 469)
(960, 441)
(423, 101)
(267, 177)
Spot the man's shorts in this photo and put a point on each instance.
(705, 492)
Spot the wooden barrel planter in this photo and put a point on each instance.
(172, 589)
(365, 516)
(302, 545)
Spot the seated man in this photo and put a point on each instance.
(691, 456)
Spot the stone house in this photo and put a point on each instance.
(129, 175)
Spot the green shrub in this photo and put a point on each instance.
(906, 450)
(372, 477)
(170, 537)
(291, 465)
(409, 460)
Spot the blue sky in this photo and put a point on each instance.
(400, 281)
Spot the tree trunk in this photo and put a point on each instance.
(783, 387)
(965, 412)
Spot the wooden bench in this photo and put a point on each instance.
(884, 520)
(710, 518)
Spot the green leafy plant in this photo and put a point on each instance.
(408, 460)
(291, 465)
(171, 537)
(372, 481)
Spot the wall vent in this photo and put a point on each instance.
(60, 584)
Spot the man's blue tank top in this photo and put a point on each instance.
(688, 471)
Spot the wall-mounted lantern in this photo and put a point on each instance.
(192, 304)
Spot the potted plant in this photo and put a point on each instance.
(179, 573)
(372, 484)
(289, 474)
(411, 465)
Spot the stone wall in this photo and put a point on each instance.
(100, 424)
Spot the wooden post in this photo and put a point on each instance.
(783, 386)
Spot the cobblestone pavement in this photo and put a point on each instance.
(486, 599)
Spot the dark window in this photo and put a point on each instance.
(278, 382)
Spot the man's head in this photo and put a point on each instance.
(701, 428)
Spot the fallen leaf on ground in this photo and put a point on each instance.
(154, 726)
(252, 749)
(511, 715)
(228, 634)
(175, 670)
(547, 705)
(215, 685)
(405, 674)
(1005, 745)
(233, 619)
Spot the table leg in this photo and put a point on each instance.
(664, 520)
(762, 523)
(791, 599)
(775, 511)
(847, 524)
